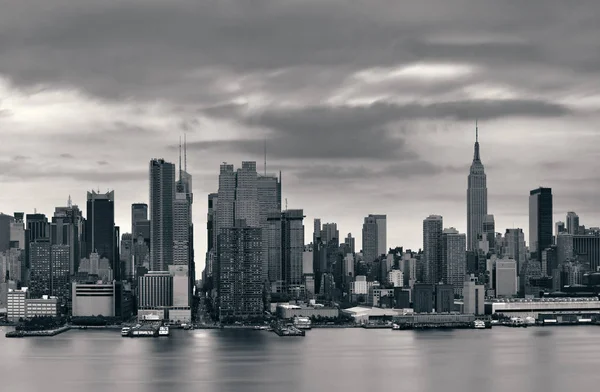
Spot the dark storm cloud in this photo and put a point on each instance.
(66, 156)
(146, 48)
(358, 132)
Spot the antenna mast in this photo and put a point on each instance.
(265, 156)
(185, 152)
(179, 158)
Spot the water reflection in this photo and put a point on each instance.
(501, 359)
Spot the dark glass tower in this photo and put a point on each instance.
(540, 221)
(162, 196)
(100, 228)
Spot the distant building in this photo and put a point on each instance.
(19, 306)
(444, 298)
(572, 223)
(540, 221)
(350, 243)
(476, 198)
(396, 278)
(60, 257)
(94, 299)
(155, 290)
(101, 233)
(587, 249)
(286, 249)
(454, 259)
(422, 298)
(374, 237)
(162, 197)
(473, 297)
(432, 257)
(506, 278)
(41, 270)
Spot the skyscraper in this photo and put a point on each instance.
(572, 223)
(101, 236)
(269, 201)
(5, 222)
(41, 270)
(350, 243)
(476, 198)
(67, 228)
(162, 195)
(540, 221)
(240, 259)
(454, 259)
(432, 249)
(60, 265)
(489, 232)
(515, 247)
(139, 213)
(374, 236)
(286, 245)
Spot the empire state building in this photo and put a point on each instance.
(476, 198)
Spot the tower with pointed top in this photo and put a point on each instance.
(476, 197)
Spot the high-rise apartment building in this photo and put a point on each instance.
(476, 198)
(454, 259)
(41, 270)
(162, 196)
(350, 243)
(432, 249)
(139, 213)
(587, 249)
(489, 232)
(540, 221)
(60, 269)
(506, 278)
(374, 237)
(269, 202)
(240, 259)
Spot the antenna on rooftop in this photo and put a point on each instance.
(185, 152)
(69, 202)
(265, 156)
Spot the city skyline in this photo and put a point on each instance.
(353, 124)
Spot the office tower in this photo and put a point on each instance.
(317, 251)
(181, 230)
(374, 235)
(506, 278)
(473, 297)
(444, 297)
(98, 268)
(350, 243)
(246, 206)
(139, 213)
(330, 233)
(395, 277)
(422, 297)
(37, 227)
(489, 232)
(40, 265)
(572, 223)
(5, 224)
(269, 201)
(454, 259)
(67, 228)
(586, 248)
(559, 227)
(155, 290)
(240, 258)
(162, 195)
(476, 198)
(126, 256)
(101, 232)
(210, 220)
(432, 249)
(515, 247)
(17, 231)
(60, 267)
(286, 248)
(540, 221)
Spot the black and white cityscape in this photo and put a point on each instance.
(299, 195)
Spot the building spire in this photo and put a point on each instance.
(265, 156)
(476, 156)
(185, 152)
(179, 158)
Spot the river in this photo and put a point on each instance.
(502, 359)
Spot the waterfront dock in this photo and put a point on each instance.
(24, 334)
(288, 330)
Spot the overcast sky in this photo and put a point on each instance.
(368, 105)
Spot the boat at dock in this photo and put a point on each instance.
(302, 323)
(125, 331)
(479, 324)
(163, 331)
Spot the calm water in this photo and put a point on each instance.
(532, 359)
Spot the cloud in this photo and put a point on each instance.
(67, 156)
(20, 158)
(102, 163)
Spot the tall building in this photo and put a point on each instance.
(374, 237)
(17, 231)
(162, 196)
(514, 247)
(454, 259)
(210, 220)
(489, 232)
(540, 221)
(139, 213)
(572, 223)
(240, 259)
(476, 198)
(422, 297)
(587, 249)
(444, 297)
(473, 297)
(286, 248)
(432, 249)
(41, 270)
(350, 243)
(126, 256)
(67, 228)
(60, 267)
(155, 290)
(101, 233)
(269, 202)
(564, 247)
(5, 223)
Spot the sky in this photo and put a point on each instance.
(367, 106)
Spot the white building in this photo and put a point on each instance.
(359, 286)
(16, 306)
(506, 277)
(473, 297)
(93, 299)
(396, 278)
